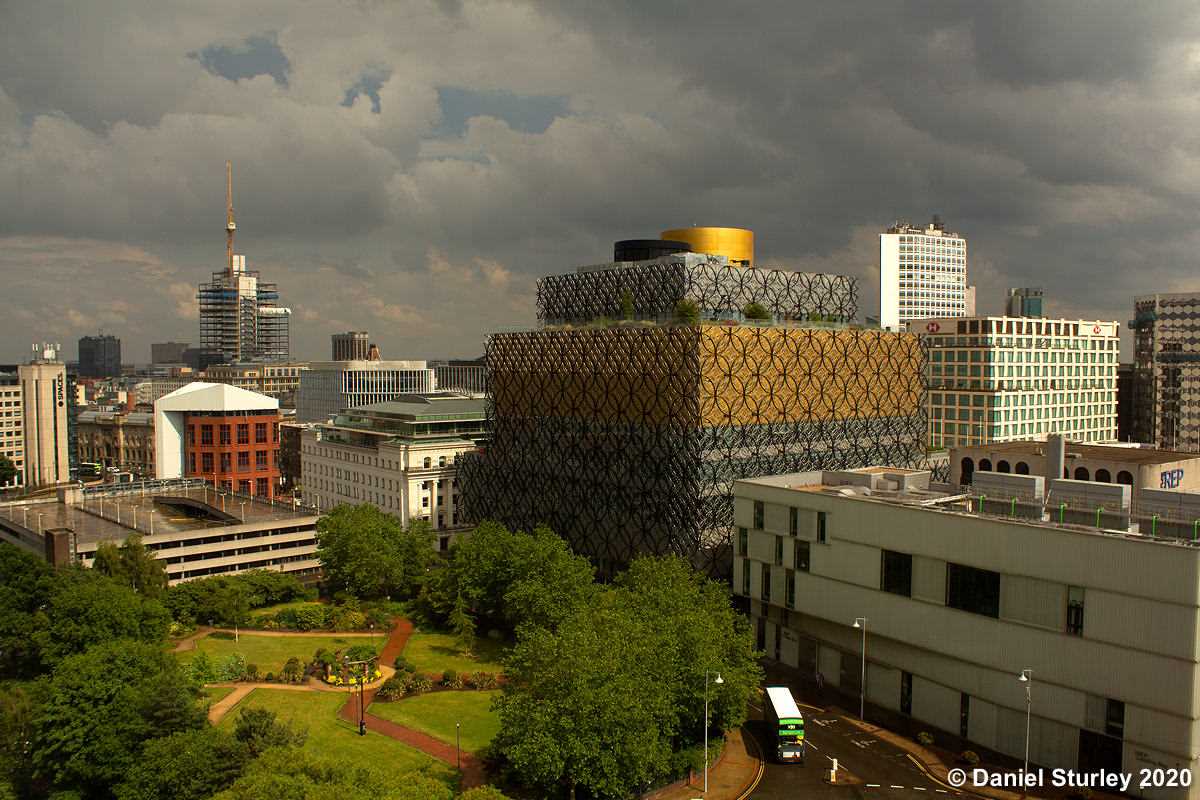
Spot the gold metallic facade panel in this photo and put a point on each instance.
(755, 376)
(737, 244)
(644, 374)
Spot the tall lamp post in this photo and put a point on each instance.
(861, 622)
(1026, 677)
(458, 746)
(719, 680)
(362, 687)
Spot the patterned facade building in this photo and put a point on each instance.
(1166, 371)
(719, 288)
(626, 439)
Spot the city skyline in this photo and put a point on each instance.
(389, 188)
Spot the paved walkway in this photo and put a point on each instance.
(733, 776)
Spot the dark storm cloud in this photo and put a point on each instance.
(415, 167)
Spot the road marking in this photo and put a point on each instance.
(814, 747)
(920, 789)
(894, 786)
(941, 791)
(873, 785)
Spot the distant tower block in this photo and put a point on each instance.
(350, 346)
(736, 244)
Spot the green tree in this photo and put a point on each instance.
(462, 625)
(86, 608)
(584, 707)
(696, 630)
(8, 470)
(299, 774)
(626, 304)
(259, 730)
(482, 793)
(19, 707)
(24, 591)
(131, 564)
(188, 765)
(756, 311)
(366, 553)
(103, 705)
(687, 312)
(231, 605)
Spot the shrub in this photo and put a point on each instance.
(270, 677)
(223, 635)
(310, 618)
(361, 652)
(420, 683)
(252, 672)
(756, 311)
(393, 688)
(687, 312)
(449, 677)
(231, 668)
(347, 619)
(925, 738)
(969, 757)
(483, 793)
(484, 680)
(292, 671)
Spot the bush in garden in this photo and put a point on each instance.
(231, 668)
(393, 688)
(484, 680)
(252, 672)
(925, 738)
(270, 677)
(420, 683)
(202, 668)
(361, 652)
(310, 618)
(402, 664)
(449, 677)
(292, 671)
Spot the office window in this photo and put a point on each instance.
(778, 551)
(821, 525)
(743, 541)
(802, 555)
(206, 462)
(226, 462)
(191, 432)
(766, 583)
(225, 435)
(260, 433)
(260, 486)
(243, 433)
(896, 573)
(191, 463)
(1114, 718)
(1075, 610)
(974, 590)
(790, 589)
(260, 459)
(206, 434)
(244, 487)
(746, 577)
(243, 460)
(793, 521)
(758, 514)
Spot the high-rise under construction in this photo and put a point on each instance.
(240, 316)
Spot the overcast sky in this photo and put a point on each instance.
(411, 168)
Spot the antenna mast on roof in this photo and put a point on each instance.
(230, 226)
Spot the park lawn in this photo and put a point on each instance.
(317, 713)
(270, 653)
(436, 712)
(214, 694)
(437, 652)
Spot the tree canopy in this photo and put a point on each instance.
(8, 470)
(132, 565)
(102, 705)
(24, 592)
(223, 598)
(367, 553)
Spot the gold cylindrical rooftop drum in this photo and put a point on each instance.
(737, 244)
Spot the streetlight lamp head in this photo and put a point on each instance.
(1023, 677)
(719, 679)
(856, 624)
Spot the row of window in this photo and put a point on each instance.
(225, 433)
(263, 460)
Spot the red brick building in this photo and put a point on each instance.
(223, 434)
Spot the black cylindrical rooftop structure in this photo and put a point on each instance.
(646, 249)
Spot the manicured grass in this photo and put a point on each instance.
(215, 693)
(270, 653)
(317, 713)
(275, 609)
(435, 713)
(436, 652)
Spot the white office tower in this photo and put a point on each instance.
(922, 274)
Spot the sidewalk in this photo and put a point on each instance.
(732, 777)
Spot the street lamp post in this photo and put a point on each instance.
(861, 622)
(1026, 677)
(362, 687)
(719, 680)
(458, 746)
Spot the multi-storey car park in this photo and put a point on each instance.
(1002, 379)
(195, 529)
(961, 589)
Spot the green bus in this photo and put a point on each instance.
(786, 724)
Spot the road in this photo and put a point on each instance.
(872, 769)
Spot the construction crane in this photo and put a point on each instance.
(230, 225)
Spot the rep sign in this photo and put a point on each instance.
(1170, 479)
